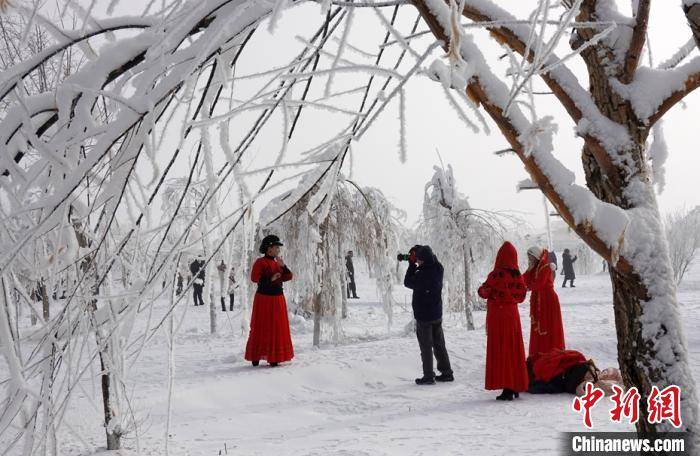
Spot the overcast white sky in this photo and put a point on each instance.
(433, 125)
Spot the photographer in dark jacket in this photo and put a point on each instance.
(424, 277)
(197, 270)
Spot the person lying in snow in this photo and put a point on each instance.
(568, 371)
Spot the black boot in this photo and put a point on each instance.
(274, 364)
(445, 378)
(255, 363)
(425, 381)
(516, 394)
(506, 395)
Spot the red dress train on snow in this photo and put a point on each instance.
(269, 337)
(546, 326)
(505, 352)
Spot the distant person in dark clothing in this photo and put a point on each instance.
(424, 277)
(553, 260)
(197, 270)
(351, 287)
(178, 290)
(231, 287)
(568, 268)
(221, 270)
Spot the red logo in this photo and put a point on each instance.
(586, 402)
(665, 405)
(662, 405)
(626, 405)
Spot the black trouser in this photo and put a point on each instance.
(351, 287)
(223, 302)
(569, 279)
(197, 290)
(432, 340)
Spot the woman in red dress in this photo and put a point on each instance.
(504, 289)
(269, 336)
(546, 327)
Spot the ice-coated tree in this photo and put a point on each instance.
(683, 233)
(358, 219)
(179, 56)
(457, 234)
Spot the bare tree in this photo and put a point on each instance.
(458, 232)
(683, 233)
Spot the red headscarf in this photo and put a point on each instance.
(507, 257)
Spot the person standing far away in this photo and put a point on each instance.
(424, 277)
(568, 268)
(231, 287)
(197, 270)
(351, 287)
(269, 336)
(553, 260)
(546, 326)
(503, 290)
(178, 289)
(221, 269)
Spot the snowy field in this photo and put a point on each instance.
(356, 398)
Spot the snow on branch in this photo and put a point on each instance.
(653, 92)
(11, 76)
(680, 55)
(639, 33)
(560, 79)
(600, 223)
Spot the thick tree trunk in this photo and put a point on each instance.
(633, 352)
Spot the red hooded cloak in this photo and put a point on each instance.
(505, 352)
(546, 326)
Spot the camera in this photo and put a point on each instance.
(410, 256)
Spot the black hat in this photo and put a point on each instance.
(425, 254)
(269, 241)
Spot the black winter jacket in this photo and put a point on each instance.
(426, 283)
(568, 265)
(197, 269)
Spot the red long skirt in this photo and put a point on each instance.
(505, 351)
(547, 332)
(269, 336)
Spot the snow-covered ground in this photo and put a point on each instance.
(356, 398)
